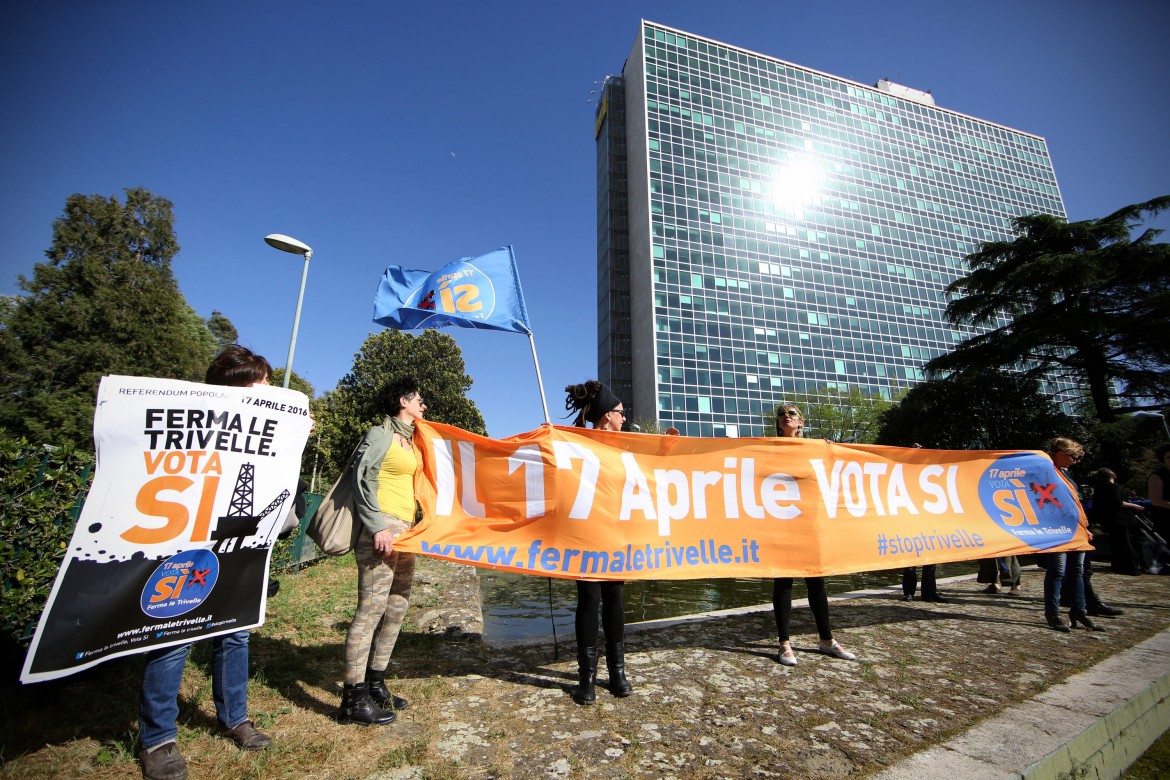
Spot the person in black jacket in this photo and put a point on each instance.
(596, 404)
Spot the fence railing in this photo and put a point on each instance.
(300, 549)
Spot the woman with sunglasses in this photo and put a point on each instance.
(1066, 569)
(596, 404)
(790, 424)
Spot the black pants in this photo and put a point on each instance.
(818, 602)
(604, 598)
(910, 581)
(1092, 600)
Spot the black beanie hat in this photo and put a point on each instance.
(605, 401)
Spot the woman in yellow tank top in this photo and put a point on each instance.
(384, 490)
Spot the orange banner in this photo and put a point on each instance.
(586, 504)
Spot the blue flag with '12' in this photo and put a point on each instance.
(472, 292)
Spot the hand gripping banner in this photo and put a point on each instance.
(174, 538)
(586, 504)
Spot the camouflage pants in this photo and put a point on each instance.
(383, 595)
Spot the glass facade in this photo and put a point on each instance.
(766, 229)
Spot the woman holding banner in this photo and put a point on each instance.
(384, 498)
(790, 424)
(158, 706)
(1066, 569)
(596, 404)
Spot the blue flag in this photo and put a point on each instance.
(472, 292)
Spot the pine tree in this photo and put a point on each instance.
(105, 301)
(1085, 302)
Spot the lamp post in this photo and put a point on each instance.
(289, 244)
(1159, 415)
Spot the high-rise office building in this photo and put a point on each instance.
(766, 229)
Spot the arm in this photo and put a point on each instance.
(365, 475)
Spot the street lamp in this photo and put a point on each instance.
(289, 244)
(1159, 415)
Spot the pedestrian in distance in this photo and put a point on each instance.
(929, 585)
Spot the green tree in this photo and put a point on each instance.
(980, 410)
(295, 382)
(1084, 301)
(104, 302)
(345, 414)
(223, 331)
(838, 413)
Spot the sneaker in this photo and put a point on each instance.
(832, 648)
(992, 588)
(1016, 591)
(246, 736)
(787, 657)
(163, 763)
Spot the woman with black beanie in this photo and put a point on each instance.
(596, 404)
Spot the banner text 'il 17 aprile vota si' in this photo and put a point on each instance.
(577, 503)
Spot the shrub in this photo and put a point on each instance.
(41, 493)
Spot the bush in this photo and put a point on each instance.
(41, 493)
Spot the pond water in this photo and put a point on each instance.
(516, 606)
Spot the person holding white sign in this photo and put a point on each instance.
(158, 707)
(790, 423)
(596, 404)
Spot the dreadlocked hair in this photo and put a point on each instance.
(580, 398)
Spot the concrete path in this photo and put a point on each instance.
(1092, 725)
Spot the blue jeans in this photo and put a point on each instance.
(158, 707)
(1064, 568)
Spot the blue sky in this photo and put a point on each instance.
(416, 133)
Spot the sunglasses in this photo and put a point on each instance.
(622, 412)
(792, 413)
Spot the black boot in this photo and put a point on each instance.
(1097, 607)
(1055, 623)
(358, 707)
(1075, 617)
(376, 684)
(584, 691)
(615, 660)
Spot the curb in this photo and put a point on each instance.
(1095, 724)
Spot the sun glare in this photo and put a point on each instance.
(795, 185)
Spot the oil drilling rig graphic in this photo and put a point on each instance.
(239, 521)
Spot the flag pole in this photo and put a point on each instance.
(539, 381)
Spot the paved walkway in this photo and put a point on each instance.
(1093, 725)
